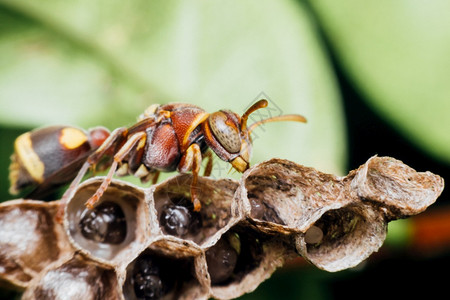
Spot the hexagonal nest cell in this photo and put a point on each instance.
(29, 239)
(343, 237)
(116, 228)
(75, 278)
(153, 275)
(242, 258)
(175, 213)
(283, 197)
(149, 243)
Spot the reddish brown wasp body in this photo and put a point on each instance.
(174, 137)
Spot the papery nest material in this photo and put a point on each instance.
(349, 213)
(278, 209)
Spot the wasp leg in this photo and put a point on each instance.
(92, 160)
(155, 177)
(69, 192)
(151, 176)
(135, 139)
(209, 163)
(192, 160)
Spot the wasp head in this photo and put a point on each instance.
(227, 134)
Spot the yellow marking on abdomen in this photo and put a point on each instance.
(72, 138)
(30, 160)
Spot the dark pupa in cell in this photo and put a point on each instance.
(179, 220)
(222, 258)
(174, 209)
(154, 275)
(242, 258)
(234, 255)
(105, 223)
(147, 280)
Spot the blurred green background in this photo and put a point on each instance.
(372, 77)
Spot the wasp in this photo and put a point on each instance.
(171, 137)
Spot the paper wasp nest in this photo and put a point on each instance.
(148, 243)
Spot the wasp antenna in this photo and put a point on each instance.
(260, 104)
(231, 170)
(294, 118)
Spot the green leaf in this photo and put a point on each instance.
(400, 233)
(103, 62)
(397, 53)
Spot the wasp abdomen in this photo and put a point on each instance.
(41, 153)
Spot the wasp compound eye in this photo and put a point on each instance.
(225, 131)
(104, 224)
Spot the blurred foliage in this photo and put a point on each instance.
(82, 63)
(397, 54)
(89, 63)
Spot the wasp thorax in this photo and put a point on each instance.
(226, 131)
